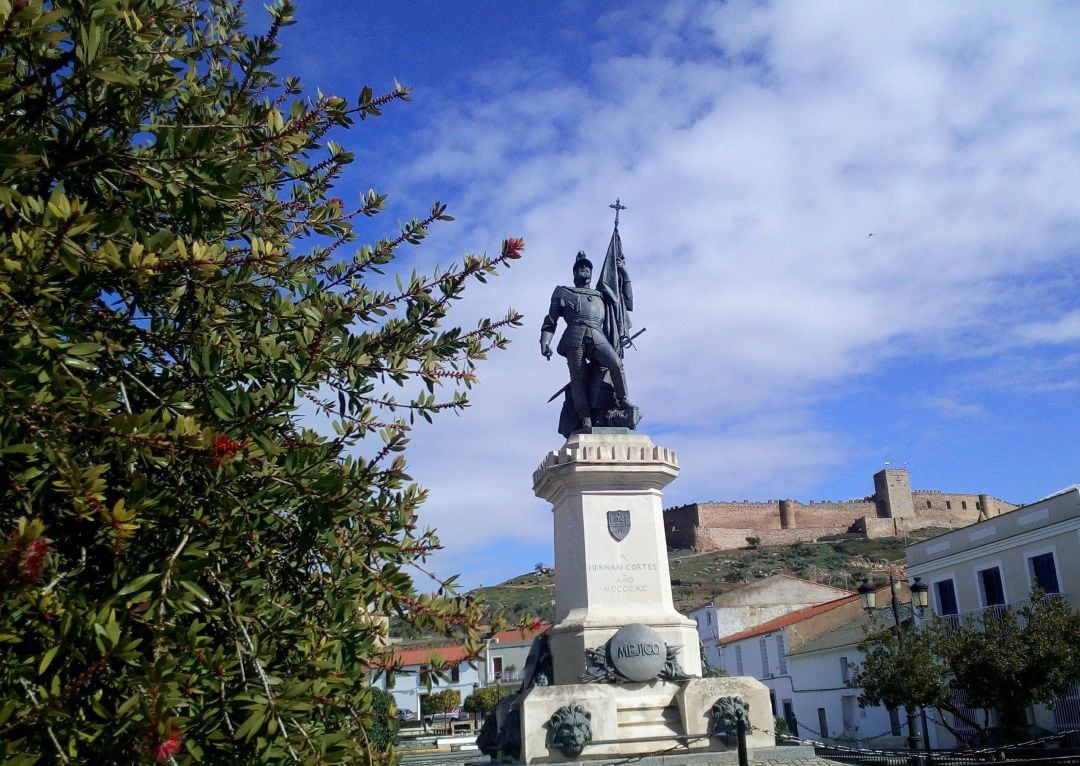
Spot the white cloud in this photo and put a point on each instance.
(1064, 329)
(948, 407)
(757, 147)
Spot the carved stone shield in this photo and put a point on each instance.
(618, 524)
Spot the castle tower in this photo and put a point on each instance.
(787, 514)
(892, 493)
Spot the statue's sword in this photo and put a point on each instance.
(629, 342)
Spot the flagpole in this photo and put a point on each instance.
(617, 207)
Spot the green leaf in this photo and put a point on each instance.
(109, 75)
(83, 349)
(251, 726)
(138, 583)
(196, 590)
(46, 659)
(222, 405)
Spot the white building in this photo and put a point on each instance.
(755, 604)
(996, 563)
(763, 650)
(501, 661)
(504, 655)
(825, 706)
(405, 683)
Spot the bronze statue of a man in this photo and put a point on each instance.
(588, 350)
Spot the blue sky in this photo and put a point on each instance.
(757, 147)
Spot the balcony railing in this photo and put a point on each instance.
(509, 676)
(992, 612)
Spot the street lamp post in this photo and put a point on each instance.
(919, 598)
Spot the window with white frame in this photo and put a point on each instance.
(1042, 571)
(781, 657)
(764, 646)
(991, 586)
(738, 660)
(845, 670)
(945, 598)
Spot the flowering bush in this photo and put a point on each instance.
(189, 573)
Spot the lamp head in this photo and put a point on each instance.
(868, 594)
(920, 595)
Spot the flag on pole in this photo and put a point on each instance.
(616, 295)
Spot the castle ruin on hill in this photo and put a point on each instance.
(893, 510)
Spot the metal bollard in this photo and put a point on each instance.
(741, 730)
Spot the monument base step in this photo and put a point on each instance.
(640, 718)
(765, 756)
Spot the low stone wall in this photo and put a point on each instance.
(830, 514)
(765, 515)
(873, 527)
(707, 539)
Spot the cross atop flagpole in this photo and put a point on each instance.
(617, 207)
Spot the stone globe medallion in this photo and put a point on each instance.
(638, 652)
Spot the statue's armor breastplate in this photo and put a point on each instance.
(582, 306)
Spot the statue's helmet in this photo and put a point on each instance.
(582, 260)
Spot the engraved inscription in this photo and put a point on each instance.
(638, 650)
(626, 573)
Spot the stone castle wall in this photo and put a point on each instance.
(707, 539)
(892, 510)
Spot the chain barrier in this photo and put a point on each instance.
(958, 754)
(894, 751)
(1029, 743)
(854, 751)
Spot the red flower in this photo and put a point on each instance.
(223, 447)
(512, 247)
(32, 561)
(168, 747)
(224, 444)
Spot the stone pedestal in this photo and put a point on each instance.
(611, 571)
(636, 719)
(611, 564)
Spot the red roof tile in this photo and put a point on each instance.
(789, 619)
(441, 654)
(454, 653)
(520, 634)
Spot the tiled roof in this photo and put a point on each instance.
(516, 635)
(440, 654)
(789, 619)
(853, 631)
(455, 653)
